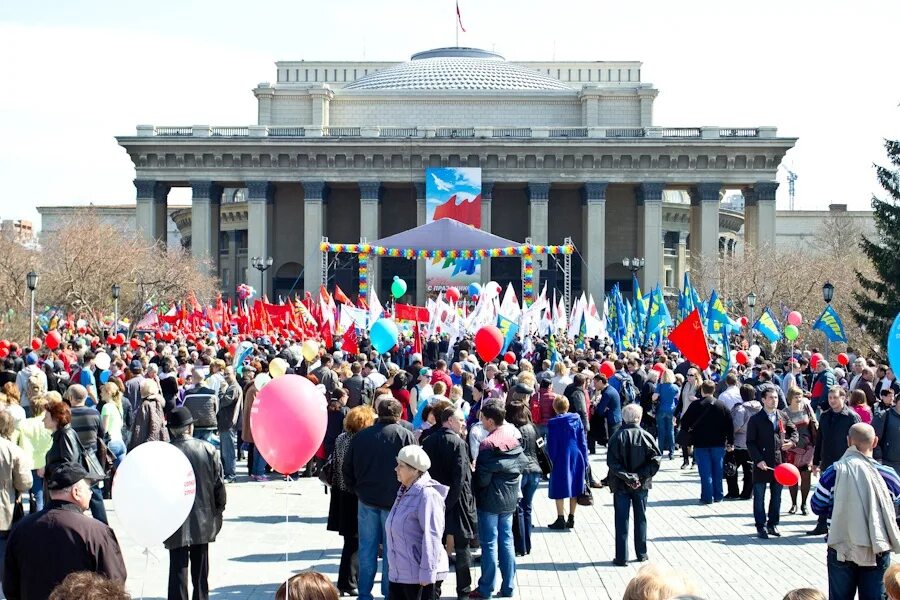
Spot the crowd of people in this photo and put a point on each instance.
(435, 456)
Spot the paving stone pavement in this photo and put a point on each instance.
(715, 544)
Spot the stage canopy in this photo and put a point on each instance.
(445, 234)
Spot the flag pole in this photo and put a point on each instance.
(456, 24)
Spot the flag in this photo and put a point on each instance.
(658, 315)
(768, 326)
(340, 296)
(459, 18)
(349, 342)
(690, 339)
(552, 351)
(830, 324)
(509, 329)
(375, 309)
(716, 316)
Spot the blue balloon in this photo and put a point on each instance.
(104, 376)
(893, 345)
(384, 335)
(474, 289)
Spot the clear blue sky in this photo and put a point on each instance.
(77, 73)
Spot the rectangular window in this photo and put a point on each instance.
(296, 74)
(305, 74)
(315, 74)
(620, 75)
(354, 74)
(589, 74)
(559, 73)
(335, 76)
(669, 278)
(569, 76)
(345, 74)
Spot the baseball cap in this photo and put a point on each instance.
(66, 475)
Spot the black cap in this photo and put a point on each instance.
(521, 388)
(180, 417)
(66, 475)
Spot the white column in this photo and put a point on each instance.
(260, 196)
(315, 194)
(206, 205)
(539, 203)
(369, 227)
(765, 201)
(487, 201)
(421, 281)
(681, 258)
(649, 197)
(150, 215)
(594, 198)
(705, 232)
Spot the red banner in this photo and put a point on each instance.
(407, 312)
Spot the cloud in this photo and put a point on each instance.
(440, 184)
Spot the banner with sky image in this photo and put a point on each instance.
(455, 193)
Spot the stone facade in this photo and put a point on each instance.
(567, 149)
(121, 216)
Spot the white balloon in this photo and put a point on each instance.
(80, 323)
(754, 350)
(153, 492)
(261, 380)
(102, 360)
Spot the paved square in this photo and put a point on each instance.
(715, 544)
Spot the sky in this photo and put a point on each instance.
(75, 74)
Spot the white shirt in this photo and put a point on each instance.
(730, 396)
(377, 379)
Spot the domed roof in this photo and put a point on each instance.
(457, 69)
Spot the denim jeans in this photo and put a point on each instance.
(709, 465)
(623, 503)
(117, 447)
(522, 531)
(98, 509)
(228, 448)
(256, 462)
(37, 492)
(495, 535)
(665, 429)
(759, 503)
(371, 533)
(847, 578)
(206, 434)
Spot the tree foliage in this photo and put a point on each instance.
(78, 265)
(878, 297)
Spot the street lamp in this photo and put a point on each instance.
(827, 295)
(751, 303)
(633, 264)
(115, 294)
(262, 265)
(31, 281)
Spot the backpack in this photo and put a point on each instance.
(627, 391)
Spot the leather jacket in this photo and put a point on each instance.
(205, 519)
(633, 457)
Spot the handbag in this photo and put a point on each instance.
(543, 458)
(91, 463)
(730, 467)
(326, 472)
(684, 435)
(18, 510)
(106, 458)
(585, 498)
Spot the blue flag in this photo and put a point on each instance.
(508, 328)
(658, 315)
(830, 324)
(716, 316)
(768, 326)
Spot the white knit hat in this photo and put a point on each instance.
(413, 456)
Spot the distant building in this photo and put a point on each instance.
(19, 230)
(796, 228)
(120, 216)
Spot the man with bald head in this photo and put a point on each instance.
(859, 497)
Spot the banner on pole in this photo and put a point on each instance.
(453, 192)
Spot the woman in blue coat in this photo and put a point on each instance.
(567, 449)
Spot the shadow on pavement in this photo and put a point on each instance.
(279, 557)
(275, 519)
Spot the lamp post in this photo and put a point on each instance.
(31, 281)
(751, 303)
(115, 294)
(827, 295)
(262, 265)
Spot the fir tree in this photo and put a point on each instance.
(878, 302)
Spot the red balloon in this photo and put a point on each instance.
(843, 359)
(787, 474)
(232, 349)
(120, 338)
(741, 357)
(659, 368)
(4, 344)
(4, 352)
(134, 343)
(814, 359)
(488, 343)
(509, 357)
(744, 321)
(288, 420)
(54, 339)
(608, 368)
(36, 343)
(452, 294)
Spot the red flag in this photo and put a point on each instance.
(406, 312)
(350, 344)
(459, 17)
(690, 339)
(340, 296)
(417, 340)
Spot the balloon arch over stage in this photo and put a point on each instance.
(450, 239)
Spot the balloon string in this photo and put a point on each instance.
(287, 547)
(146, 570)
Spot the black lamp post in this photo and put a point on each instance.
(827, 295)
(262, 265)
(751, 303)
(31, 281)
(116, 289)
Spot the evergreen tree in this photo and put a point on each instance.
(879, 299)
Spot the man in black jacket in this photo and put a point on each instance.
(450, 466)
(633, 459)
(831, 442)
(190, 543)
(496, 488)
(711, 428)
(369, 472)
(361, 389)
(770, 434)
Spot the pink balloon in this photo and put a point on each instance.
(288, 420)
(794, 318)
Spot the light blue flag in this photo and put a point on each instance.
(768, 326)
(716, 316)
(509, 329)
(831, 325)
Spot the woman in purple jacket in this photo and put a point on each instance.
(417, 561)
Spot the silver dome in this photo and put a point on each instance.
(457, 69)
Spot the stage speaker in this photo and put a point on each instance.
(553, 279)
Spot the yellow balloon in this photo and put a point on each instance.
(310, 350)
(278, 367)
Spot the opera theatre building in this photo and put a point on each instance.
(529, 151)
